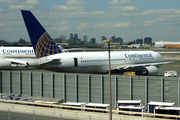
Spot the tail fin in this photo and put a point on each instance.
(42, 43)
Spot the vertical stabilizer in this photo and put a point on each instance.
(42, 43)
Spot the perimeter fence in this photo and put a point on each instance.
(91, 88)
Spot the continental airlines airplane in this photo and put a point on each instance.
(17, 52)
(23, 53)
(50, 57)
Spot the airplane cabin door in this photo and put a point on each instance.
(75, 62)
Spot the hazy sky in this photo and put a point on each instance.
(128, 19)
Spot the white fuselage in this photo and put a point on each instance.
(97, 62)
(17, 52)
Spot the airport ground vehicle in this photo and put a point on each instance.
(130, 73)
(170, 73)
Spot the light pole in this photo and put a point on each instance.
(110, 105)
(9, 116)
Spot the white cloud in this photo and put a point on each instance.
(129, 8)
(78, 14)
(60, 7)
(171, 16)
(8, 1)
(1, 10)
(160, 12)
(68, 8)
(96, 14)
(159, 19)
(29, 4)
(71, 5)
(117, 25)
(53, 28)
(169, 28)
(74, 2)
(64, 22)
(32, 2)
(19, 7)
(120, 2)
(153, 12)
(1, 23)
(102, 25)
(112, 25)
(87, 25)
(62, 28)
(163, 20)
(148, 23)
(83, 25)
(124, 9)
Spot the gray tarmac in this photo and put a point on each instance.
(175, 57)
(175, 66)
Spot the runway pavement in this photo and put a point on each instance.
(172, 66)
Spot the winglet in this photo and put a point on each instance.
(42, 43)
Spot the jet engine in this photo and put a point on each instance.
(4, 64)
(149, 71)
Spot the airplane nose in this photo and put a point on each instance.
(159, 57)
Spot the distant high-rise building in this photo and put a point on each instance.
(63, 37)
(58, 40)
(93, 40)
(139, 41)
(71, 38)
(75, 38)
(21, 41)
(119, 40)
(113, 38)
(1, 41)
(103, 38)
(147, 40)
(85, 38)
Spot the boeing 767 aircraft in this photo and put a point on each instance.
(50, 57)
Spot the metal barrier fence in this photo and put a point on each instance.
(91, 87)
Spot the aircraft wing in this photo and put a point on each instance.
(34, 62)
(18, 60)
(139, 66)
(43, 60)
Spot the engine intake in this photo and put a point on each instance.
(4, 64)
(149, 71)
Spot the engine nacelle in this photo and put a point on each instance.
(149, 71)
(4, 64)
(33, 62)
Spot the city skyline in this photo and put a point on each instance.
(127, 19)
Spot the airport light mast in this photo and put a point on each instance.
(110, 105)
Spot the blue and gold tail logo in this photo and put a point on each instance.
(46, 46)
(42, 43)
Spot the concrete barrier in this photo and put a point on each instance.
(55, 112)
